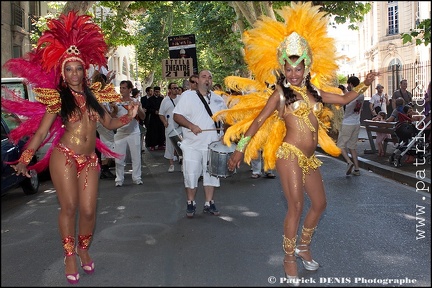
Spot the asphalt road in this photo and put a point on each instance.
(374, 232)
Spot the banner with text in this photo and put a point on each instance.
(177, 68)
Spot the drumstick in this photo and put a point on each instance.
(214, 129)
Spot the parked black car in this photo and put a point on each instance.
(11, 152)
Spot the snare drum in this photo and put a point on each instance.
(176, 138)
(217, 160)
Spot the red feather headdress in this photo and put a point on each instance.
(71, 38)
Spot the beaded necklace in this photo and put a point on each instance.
(79, 99)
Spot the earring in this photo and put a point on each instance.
(303, 83)
(286, 84)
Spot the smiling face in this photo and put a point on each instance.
(74, 75)
(294, 75)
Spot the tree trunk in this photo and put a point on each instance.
(81, 6)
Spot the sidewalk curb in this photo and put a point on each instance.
(393, 173)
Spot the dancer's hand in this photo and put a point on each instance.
(133, 109)
(21, 168)
(235, 160)
(370, 77)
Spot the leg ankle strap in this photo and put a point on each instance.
(306, 236)
(289, 245)
(69, 245)
(306, 247)
(84, 241)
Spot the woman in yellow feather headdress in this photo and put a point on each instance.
(298, 59)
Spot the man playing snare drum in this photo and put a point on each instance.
(199, 130)
(166, 116)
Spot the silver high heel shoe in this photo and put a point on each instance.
(308, 265)
(293, 281)
(289, 248)
(306, 238)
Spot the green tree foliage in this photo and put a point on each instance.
(217, 25)
(421, 34)
(218, 48)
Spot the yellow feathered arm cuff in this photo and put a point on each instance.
(49, 97)
(107, 94)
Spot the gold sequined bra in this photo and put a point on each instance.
(302, 108)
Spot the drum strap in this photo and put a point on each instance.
(217, 124)
(172, 101)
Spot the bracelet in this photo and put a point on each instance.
(241, 145)
(125, 119)
(26, 156)
(361, 88)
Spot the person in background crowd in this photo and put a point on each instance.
(256, 166)
(343, 89)
(166, 115)
(136, 94)
(380, 137)
(394, 116)
(402, 92)
(193, 82)
(155, 135)
(104, 134)
(128, 136)
(379, 101)
(348, 135)
(57, 68)
(199, 130)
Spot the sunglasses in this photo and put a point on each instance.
(193, 82)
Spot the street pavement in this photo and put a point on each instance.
(374, 232)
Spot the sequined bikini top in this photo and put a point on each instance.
(302, 108)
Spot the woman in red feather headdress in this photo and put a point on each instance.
(57, 67)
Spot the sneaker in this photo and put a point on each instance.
(190, 210)
(119, 184)
(356, 173)
(138, 182)
(211, 209)
(171, 168)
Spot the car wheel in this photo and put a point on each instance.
(31, 185)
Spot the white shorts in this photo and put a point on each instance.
(195, 165)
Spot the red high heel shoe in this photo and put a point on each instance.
(83, 244)
(68, 246)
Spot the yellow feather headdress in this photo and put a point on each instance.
(268, 35)
(267, 45)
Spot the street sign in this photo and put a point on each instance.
(177, 68)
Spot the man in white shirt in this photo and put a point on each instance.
(126, 136)
(199, 130)
(379, 101)
(166, 116)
